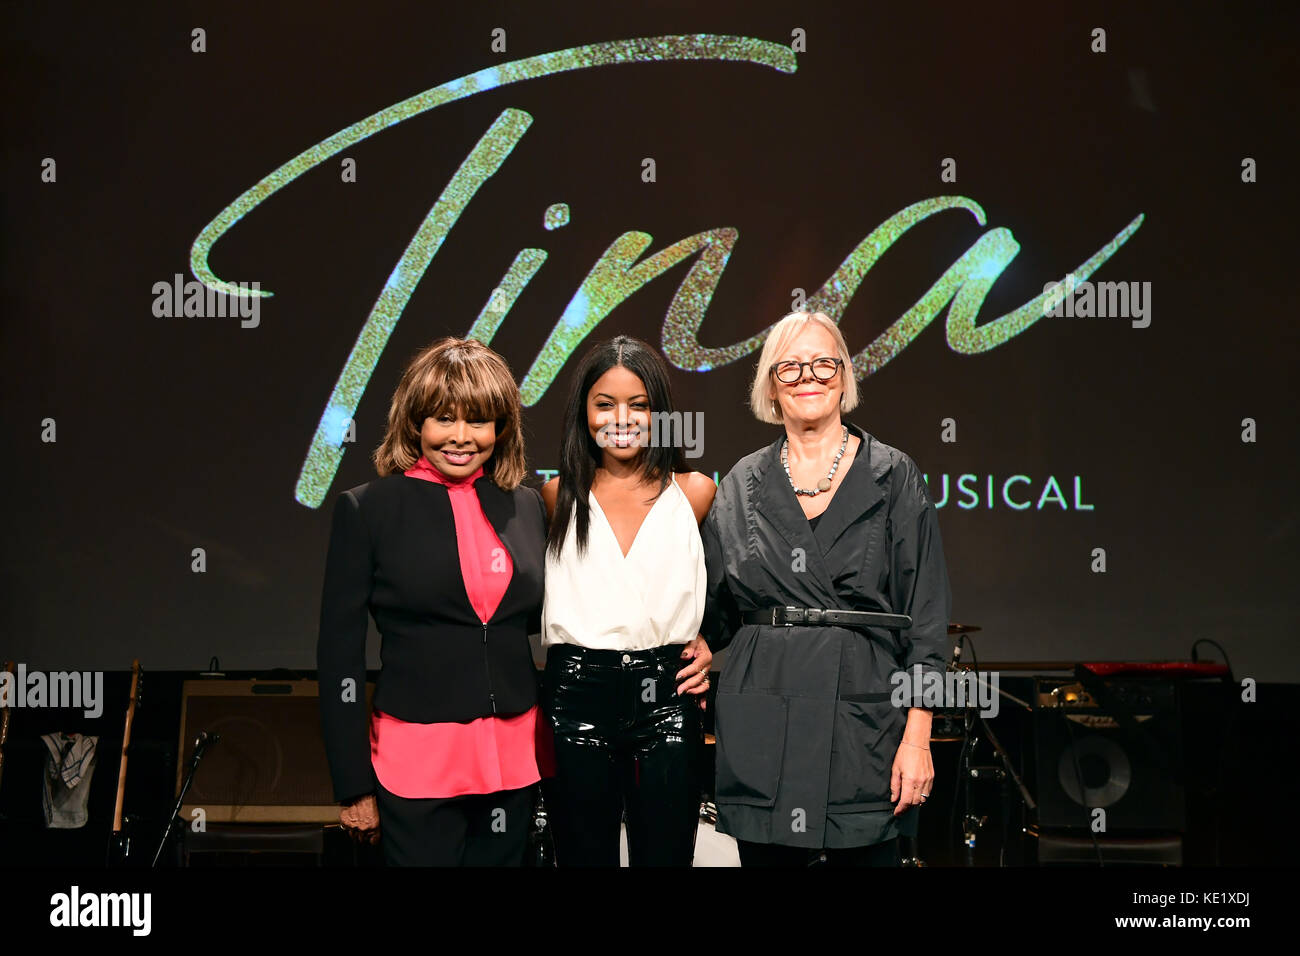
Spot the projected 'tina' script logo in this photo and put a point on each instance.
(618, 273)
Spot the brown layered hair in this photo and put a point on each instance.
(466, 379)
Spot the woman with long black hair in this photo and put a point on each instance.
(624, 597)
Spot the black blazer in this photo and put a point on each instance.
(393, 553)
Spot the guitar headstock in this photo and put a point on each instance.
(7, 700)
(137, 683)
(8, 705)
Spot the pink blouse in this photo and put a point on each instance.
(485, 755)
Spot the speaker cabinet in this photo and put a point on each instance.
(1086, 758)
(269, 765)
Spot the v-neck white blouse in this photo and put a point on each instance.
(653, 596)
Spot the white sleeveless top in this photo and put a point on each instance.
(652, 597)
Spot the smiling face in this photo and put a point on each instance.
(808, 400)
(455, 446)
(618, 414)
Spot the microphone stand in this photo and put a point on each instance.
(200, 745)
(976, 724)
(1007, 770)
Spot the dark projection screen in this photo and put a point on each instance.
(686, 174)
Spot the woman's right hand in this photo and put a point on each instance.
(360, 818)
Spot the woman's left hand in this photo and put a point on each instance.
(694, 677)
(912, 777)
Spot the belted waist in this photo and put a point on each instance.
(816, 617)
(602, 657)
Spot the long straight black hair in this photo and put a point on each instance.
(579, 453)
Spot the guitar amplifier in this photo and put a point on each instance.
(269, 765)
(1087, 758)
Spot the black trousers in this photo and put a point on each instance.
(625, 741)
(487, 829)
(771, 854)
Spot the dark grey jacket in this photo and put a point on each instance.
(806, 733)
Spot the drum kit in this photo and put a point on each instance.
(963, 723)
(949, 725)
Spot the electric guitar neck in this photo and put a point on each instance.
(119, 847)
(4, 724)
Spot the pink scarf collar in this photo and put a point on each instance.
(423, 468)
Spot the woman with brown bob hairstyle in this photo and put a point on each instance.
(445, 551)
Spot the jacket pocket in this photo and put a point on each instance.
(867, 731)
(750, 732)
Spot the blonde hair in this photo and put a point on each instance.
(462, 377)
(761, 401)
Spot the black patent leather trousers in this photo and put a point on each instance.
(625, 742)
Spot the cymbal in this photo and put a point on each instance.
(963, 628)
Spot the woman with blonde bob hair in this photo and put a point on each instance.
(762, 397)
(445, 551)
(826, 578)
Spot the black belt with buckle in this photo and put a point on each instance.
(814, 616)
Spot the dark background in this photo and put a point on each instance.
(186, 432)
